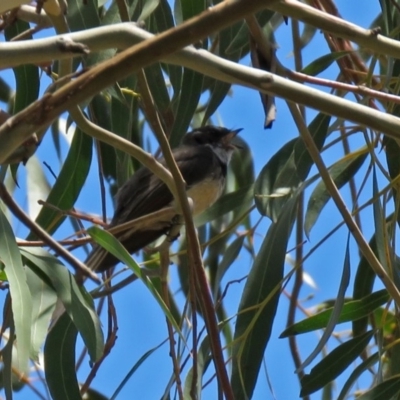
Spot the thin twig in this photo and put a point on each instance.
(164, 263)
(352, 226)
(42, 234)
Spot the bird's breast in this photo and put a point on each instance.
(205, 194)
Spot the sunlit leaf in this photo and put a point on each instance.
(69, 183)
(73, 298)
(19, 292)
(351, 311)
(44, 300)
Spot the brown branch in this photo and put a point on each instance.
(50, 106)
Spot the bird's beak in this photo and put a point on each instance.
(227, 139)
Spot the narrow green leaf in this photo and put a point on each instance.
(240, 42)
(351, 311)
(37, 186)
(141, 360)
(392, 151)
(19, 291)
(286, 170)
(334, 364)
(191, 8)
(203, 360)
(5, 91)
(148, 8)
(26, 76)
(337, 308)
(158, 88)
(341, 173)
(355, 375)
(69, 183)
(161, 20)
(44, 300)
(307, 35)
(382, 245)
(82, 15)
(322, 63)
(385, 390)
(258, 304)
(364, 282)
(74, 298)
(59, 360)
(219, 91)
(192, 83)
(112, 245)
(8, 379)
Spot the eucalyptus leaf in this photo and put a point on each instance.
(334, 364)
(59, 358)
(341, 172)
(259, 302)
(19, 291)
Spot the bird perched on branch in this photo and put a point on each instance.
(203, 160)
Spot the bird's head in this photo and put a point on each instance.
(213, 136)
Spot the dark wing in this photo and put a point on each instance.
(142, 194)
(145, 193)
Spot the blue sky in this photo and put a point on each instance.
(141, 322)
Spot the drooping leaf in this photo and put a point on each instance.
(203, 360)
(44, 300)
(141, 360)
(259, 303)
(240, 42)
(385, 390)
(19, 291)
(189, 96)
(148, 8)
(59, 360)
(363, 286)
(82, 15)
(27, 75)
(341, 172)
(334, 364)
(69, 183)
(113, 246)
(37, 185)
(364, 366)
(322, 63)
(286, 170)
(336, 310)
(74, 299)
(351, 311)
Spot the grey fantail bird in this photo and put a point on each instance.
(202, 159)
